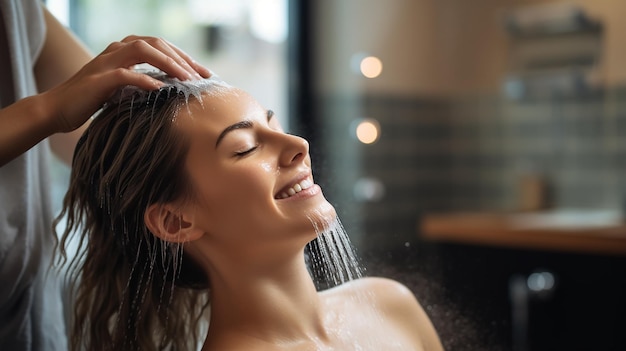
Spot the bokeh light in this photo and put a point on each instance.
(368, 131)
(371, 66)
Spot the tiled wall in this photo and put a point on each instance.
(469, 154)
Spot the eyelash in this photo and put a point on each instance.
(250, 150)
(244, 153)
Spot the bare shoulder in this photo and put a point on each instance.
(398, 305)
(387, 293)
(391, 297)
(387, 290)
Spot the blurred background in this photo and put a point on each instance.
(473, 149)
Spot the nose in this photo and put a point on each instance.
(294, 149)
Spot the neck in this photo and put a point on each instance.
(275, 303)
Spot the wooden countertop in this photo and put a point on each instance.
(585, 231)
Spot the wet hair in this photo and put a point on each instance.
(132, 290)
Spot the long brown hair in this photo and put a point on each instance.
(132, 291)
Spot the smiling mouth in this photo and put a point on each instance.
(294, 189)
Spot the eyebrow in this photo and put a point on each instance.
(240, 125)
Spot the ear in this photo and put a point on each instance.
(168, 223)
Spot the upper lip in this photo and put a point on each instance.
(297, 179)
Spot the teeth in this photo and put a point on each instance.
(303, 185)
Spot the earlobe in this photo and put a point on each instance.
(169, 224)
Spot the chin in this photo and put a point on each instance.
(323, 215)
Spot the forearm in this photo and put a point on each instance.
(23, 125)
(51, 71)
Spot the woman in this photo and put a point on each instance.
(193, 193)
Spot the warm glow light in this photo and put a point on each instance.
(368, 131)
(371, 66)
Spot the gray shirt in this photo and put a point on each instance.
(31, 315)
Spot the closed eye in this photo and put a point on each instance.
(272, 122)
(246, 152)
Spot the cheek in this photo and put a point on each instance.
(241, 200)
(242, 187)
(248, 182)
(268, 168)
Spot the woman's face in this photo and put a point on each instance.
(251, 180)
